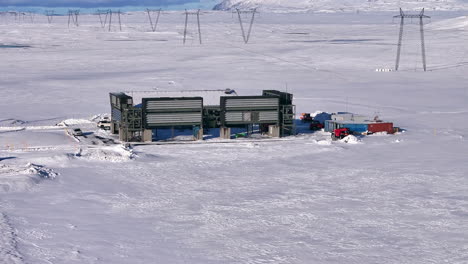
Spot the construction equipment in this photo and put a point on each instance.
(340, 133)
(315, 125)
(306, 117)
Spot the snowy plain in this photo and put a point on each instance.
(305, 199)
(333, 6)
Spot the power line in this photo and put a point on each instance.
(50, 15)
(73, 17)
(101, 13)
(402, 17)
(196, 13)
(118, 17)
(155, 24)
(246, 37)
(31, 16)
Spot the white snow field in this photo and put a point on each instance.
(399, 198)
(332, 6)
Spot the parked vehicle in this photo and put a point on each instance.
(315, 125)
(77, 132)
(306, 117)
(340, 133)
(104, 124)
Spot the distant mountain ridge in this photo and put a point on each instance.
(342, 5)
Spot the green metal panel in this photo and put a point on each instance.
(172, 112)
(244, 110)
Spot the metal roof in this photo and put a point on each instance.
(210, 97)
(120, 95)
(345, 116)
(367, 122)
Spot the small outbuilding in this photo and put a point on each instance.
(358, 124)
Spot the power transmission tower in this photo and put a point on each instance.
(402, 17)
(50, 15)
(118, 16)
(101, 13)
(155, 24)
(14, 13)
(73, 17)
(31, 16)
(239, 12)
(18, 16)
(197, 13)
(22, 16)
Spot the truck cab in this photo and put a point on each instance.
(340, 133)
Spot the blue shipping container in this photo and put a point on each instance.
(359, 128)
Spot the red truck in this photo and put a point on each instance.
(340, 133)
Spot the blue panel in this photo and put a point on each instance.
(116, 114)
(356, 127)
(329, 125)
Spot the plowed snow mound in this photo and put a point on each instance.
(40, 171)
(71, 122)
(23, 178)
(350, 140)
(116, 153)
(8, 250)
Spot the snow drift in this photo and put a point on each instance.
(117, 153)
(350, 140)
(22, 178)
(72, 121)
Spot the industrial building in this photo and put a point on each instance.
(358, 124)
(137, 116)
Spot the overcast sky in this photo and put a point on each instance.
(105, 3)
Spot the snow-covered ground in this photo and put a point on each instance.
(306, 199)
(332, 6)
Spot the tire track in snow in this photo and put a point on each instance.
(8, 245)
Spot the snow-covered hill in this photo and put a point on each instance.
(341, 5)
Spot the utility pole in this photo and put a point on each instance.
(402, 17)
(239, 12)
(196, 13)
(155, 24)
